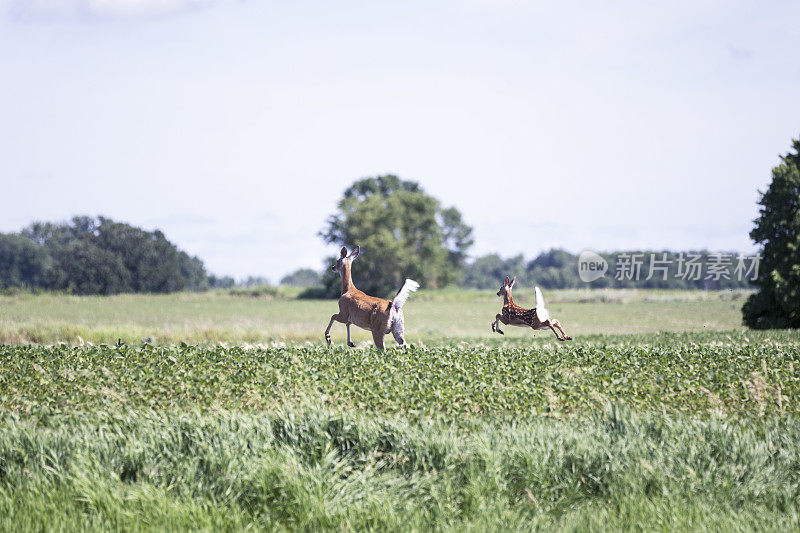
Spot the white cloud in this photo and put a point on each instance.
(99, 9)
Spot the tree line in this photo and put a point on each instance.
(644, 269)
(558, 269)
(90, 255)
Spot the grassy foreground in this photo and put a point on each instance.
(318, 470)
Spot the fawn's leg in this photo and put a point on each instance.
(349, 342)
(550, 325)
(563, 333)
(337, 318)
(496, 325)
(377, 338)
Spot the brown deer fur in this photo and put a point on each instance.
(368, 312)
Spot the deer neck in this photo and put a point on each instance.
(347, 279)
(507, 300)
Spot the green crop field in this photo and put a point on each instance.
(221, 412)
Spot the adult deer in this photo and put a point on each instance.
(514, 315)
(375, 314)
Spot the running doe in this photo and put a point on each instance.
(375, 314)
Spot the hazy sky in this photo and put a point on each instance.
(234, 126)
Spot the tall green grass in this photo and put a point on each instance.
(317, 470)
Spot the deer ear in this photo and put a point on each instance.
(355, 252)
(512, 282)
(343, 252)
(506, 281)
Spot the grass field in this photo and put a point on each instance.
(430, 316)
(663, 414)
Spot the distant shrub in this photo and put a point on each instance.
(316, 293)
(304, 277)
(261, 291)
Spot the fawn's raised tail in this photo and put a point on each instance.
(541, 311)
(402, 295)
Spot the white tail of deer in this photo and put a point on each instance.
(402, 295)
(375, 314)
(541, 312)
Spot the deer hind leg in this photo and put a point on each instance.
(398, 330)
(336, 318)
(563, 333)
(377, 338)
(496, 324)
(549, 324)
(349, 342)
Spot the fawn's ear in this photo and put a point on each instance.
(343, 252)
(354, 253)
(506, 281)
(512, 282)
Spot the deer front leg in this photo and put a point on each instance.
(349, 342)
(496, 326)
(563, 333)
(328, 330)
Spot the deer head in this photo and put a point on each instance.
(342, 265)
(505, 289)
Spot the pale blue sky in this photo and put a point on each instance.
(234, 126)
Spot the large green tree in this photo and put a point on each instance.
(777, 229)
(403, 233)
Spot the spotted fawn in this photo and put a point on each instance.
(514, 315)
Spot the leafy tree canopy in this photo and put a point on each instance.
(23, 263)
(403, 233)
(777, 230)
(97, 256)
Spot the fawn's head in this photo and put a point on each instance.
(345, 260)
(505, 289)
